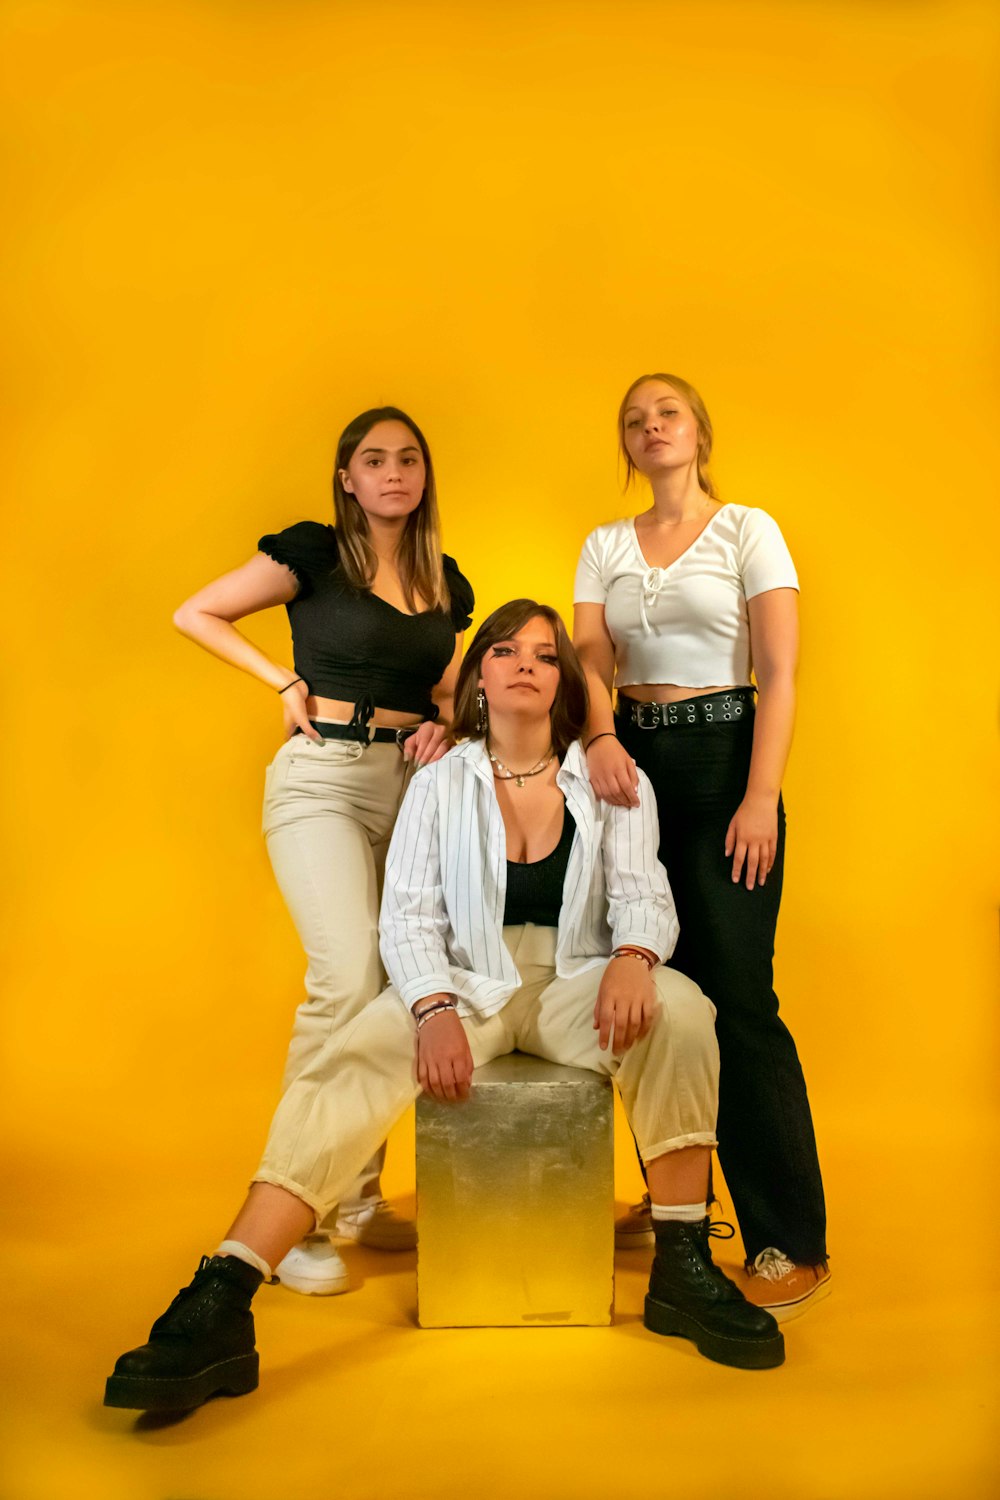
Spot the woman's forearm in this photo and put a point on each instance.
(443, 693)
(596, 651)
(207, 617)
(774, 723)
(445, 702)
(223, 640)
(774, 635)
(601, 717)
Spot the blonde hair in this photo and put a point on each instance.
(421, 570)
(701, 416)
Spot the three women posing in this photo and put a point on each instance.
(377, 615)
(676, 608)
(680, 603)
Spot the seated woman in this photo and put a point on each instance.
(519, 912)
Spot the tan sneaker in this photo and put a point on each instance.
(783, 1288)
(634, 1230)
(372, 1222)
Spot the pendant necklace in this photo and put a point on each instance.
(518, 777)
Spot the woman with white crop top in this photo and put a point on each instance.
(676, 608)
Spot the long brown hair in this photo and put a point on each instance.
(569, 710)
(421, 572)
(701, 416)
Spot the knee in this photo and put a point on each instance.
(379, 1038)
(340, 990)
(682, 999)
(688, 1016)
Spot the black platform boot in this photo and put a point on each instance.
(689, 1296)
(202, 1346)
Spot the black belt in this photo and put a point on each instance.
(359, 729)
(362, 733)
(711, 708)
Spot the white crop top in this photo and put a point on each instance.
(686, 624)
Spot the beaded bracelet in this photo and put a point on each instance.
(434, 1010)
(435, 1001)
(635, 953)
(292, 684)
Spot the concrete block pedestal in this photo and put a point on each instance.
(515, 1199)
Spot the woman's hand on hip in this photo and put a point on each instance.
(293, 712)
(428, 742)
(626, 1003)
(444, 1058)
(752, 837)
(612, 772)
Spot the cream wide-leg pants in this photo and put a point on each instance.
(329, 811)
(339, 1108)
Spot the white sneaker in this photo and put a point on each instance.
(372, 1222)
(314, 1268)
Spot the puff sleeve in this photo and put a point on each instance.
(308, 548)
(463, 600)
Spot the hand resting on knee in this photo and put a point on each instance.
(444, 1058)
(626, 1003)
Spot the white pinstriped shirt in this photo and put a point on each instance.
(446, 883)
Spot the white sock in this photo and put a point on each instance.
(239, 1251)
(684, 1213)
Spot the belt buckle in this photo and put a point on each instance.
(402, 735)
(654, 709)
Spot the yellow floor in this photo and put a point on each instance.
(888, 1390)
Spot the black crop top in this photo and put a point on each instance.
(348, 642)
(535, 890)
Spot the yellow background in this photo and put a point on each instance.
(232, 226)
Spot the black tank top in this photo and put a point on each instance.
(535, 891)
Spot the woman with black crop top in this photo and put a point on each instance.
(519, 912)
(678, 606)
(377, 615)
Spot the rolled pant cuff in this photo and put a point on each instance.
(676, 1143)
(319, 1206)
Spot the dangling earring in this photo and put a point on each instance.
(483, 722)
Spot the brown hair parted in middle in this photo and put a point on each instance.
(420, 567)
(569, 711)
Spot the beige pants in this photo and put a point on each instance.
(329, 810)
(338, 1109)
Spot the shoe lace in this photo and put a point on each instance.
(173, 1316)
(367, 1208)
(772, 1264)
(720, 1229)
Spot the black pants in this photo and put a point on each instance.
(767, 1146)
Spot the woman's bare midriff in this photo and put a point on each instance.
(333, 708)
(668, 692)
